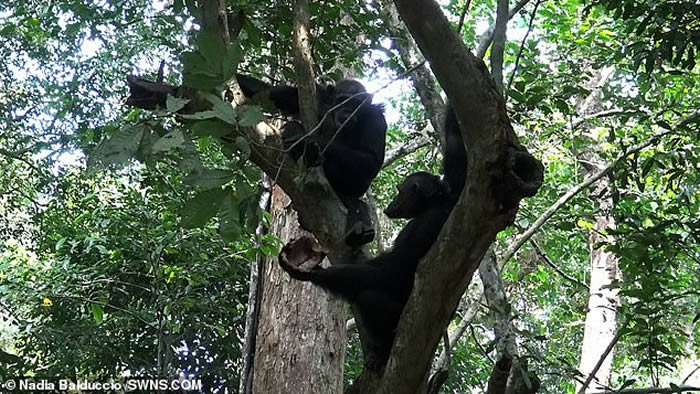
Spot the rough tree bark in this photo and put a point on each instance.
(300, 342)
(500, 174)
(605, 275)
(255, 288)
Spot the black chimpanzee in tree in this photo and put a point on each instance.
(380, 287)
(348, 144)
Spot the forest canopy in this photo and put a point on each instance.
(144, 201)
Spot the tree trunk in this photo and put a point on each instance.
(601, 319)
(603, 301)
(300, 342)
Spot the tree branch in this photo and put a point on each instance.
(522, 44)
(499, 43)
(421, 77)
(467, 318)
(328, 220)
(602, 114)
(301, 47)
(478, 215)
(487, 37)
(558, 270)
(524, 237)
(463, 15)
(402, 150)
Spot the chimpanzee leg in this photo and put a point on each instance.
(358, 228)
(308, 148)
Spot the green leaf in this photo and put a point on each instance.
(59, 244)
(251, 116)
(562, 106)
(584, 224)
(222, 109)
(213, 128)
(172, 140)
(174, 104)
(516, 95)
(251, 172)
(647, 166)
(210, 178)
(97, 313)
(195, 63)
(198, 211)
(201, 81)
(178, 6)
(200, 115)
(211, 46)
(229, 219)
(231, 59)
(243, 147)
(120, 147)
(664, 124)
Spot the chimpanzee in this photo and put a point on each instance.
(455, 162)
(349, 144)
(380, 287)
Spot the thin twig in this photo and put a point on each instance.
(478, 344)
(603, 356)
(550, 263)
(90, 301)
(404, 149)
(462, 16)
(522, 44)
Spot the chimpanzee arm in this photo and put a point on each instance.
(347, 280)
(455, 161)
(284, 97)
(352, 162)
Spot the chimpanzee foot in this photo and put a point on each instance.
(359, 230)
(359, 234)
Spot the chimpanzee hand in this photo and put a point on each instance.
(292, 132)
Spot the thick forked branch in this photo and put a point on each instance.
(487, 205)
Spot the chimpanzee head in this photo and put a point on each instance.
(419, 192)
(350, 94)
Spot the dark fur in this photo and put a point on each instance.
(380, 287)
(352, 155)
(455, 163)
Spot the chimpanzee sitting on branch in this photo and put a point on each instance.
(349, 143)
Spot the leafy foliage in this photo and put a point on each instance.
(140, 264)
(117, 285)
